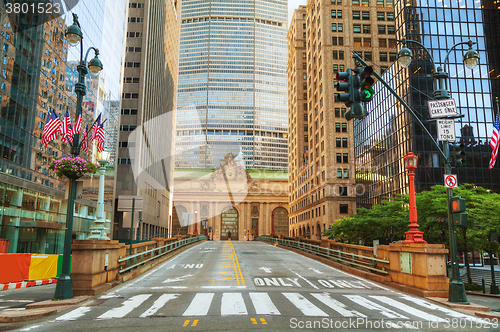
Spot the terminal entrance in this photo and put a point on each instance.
(229, 223)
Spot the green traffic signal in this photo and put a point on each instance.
(366, 81)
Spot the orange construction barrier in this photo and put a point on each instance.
(14, 267)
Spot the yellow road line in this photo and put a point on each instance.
(196, 322)
(241, 275)
(221, 267)
(263, 321)
(225, 279)
(253, 320)
(224, 272)
(234, 256)
(186, 323)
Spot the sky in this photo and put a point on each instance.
(292, 5)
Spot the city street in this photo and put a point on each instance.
(227, 286)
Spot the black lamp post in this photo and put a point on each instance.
(74, 35)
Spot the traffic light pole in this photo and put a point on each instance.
(456, 292)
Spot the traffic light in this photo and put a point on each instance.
(357, 109)
(345, 83)
(459, 216)
(459, 155)
(366, 81)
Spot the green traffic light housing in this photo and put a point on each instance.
(459, 155)
(366, 81)
(344, 84)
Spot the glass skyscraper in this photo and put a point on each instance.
(232, 90)
(388, 133)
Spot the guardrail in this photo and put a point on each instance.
(146, 256)
(365, 262)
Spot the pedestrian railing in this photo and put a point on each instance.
(133, 261)
(339, 256)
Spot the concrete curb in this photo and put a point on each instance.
(23, 284)
(483, 294)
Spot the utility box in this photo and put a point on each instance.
(405, 259)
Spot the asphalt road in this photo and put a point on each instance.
(239, 286)
(19, 298)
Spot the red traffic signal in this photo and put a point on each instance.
(457, 204)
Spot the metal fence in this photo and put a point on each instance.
(146, 256)
(339, 256)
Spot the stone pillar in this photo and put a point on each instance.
(88, 271)
(261, 219)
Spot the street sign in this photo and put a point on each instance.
(450, 181)
(446, 130)
(252, 231)
(442, 108)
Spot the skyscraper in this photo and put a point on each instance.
(144, 166)
(232, 84)
(388, 133)
(321, 39)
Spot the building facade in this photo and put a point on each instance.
(147, 122)
(35, 80)
(388, 133)
(232, 84)
(321, 38)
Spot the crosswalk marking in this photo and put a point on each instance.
(336, 305)
(304, 305)
(158, 304)
(233, 304)
(126, 307)
(263, 304)
(412, 311)
(74, 314)
(200, 305)
(374, 306)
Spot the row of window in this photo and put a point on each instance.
(380, 3)
(127, 95)
(342, 158)
(136, 5)
(136, 19)
(127, 127)
(129, 111)
(335, 14)
(131, 80)
(134, 34)
(132, 64)
(381, 16)
(134, 49)
(338, 55)
(337, 68)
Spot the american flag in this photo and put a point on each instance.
(67, 129)
(95, 128)
(100, 137)
(85, 141)
(494, 143)
(78, 124)
(52, 127)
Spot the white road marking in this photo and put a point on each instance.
(178, 278)
(266, 269)
(160, 302)
(126, 307)
(304, 305)
(374, 306)
(301, 277)
(200, 305)
(412, 311)
(29, 328)
(315, 270)
(168, 287)
(17, 301)
(223, 287)
(232, 304)
(263, 304)
(336, 305)
(109, 296)
(74, 314)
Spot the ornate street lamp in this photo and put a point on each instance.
(413, 235)
(98, 231)
(74, 35)
(195, 221)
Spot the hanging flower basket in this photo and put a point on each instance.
(72, 167)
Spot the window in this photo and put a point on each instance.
(339, 158)
(392, 43)
(341, 67)
(391, 30)
(306, 138)
(383, 57)
(382, 42)
(335, 55)
(367, 42)
(341, 41)
(344, 142)
(339, 14)
(345, 158)
(355, 2)
(136, 19)
(338, 142)
(304, 55)
(389, 3)
(304, 76)
(342, 191)
(366, 29)
(380, 16)
(339, 173)
(380, 3)
(357, 42)
(135, 5)
(356, 28)
(381, 29)
(368, 56)
(346, 173)
(334, 41)
(134, 49)
(366, 16)
(337, 112)
(390, 16)
(304, 65)
(130, 95)
(134, 34)
(127, 127)
(334, 13)
(334, 27)
(123, 144)
(304, 25)
(344, 127)
(132, 64)
(365, 3)
(304, 35)
(131, 80)
(124, 161)
(356, 15)
(341, 55)
(128, 111)
(337, 127)
(340, 27)
(392, 57)
(344, 208)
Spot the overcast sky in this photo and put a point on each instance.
(292, 5)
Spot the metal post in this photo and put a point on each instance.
(64, 286)
(132, 225)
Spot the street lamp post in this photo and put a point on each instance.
(413, 235)
(470, 59)
(74, 35)
(98, 231)
(195, 221)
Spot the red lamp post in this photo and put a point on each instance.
(195, 221)
(413, 235)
